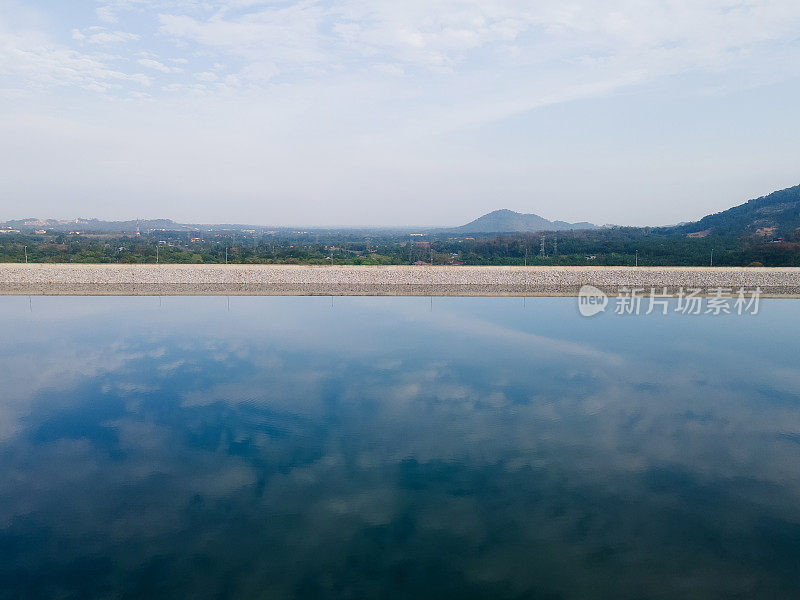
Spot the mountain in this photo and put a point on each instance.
(134, 225)
(96, 226)
(145, 226)
(774, 215)
(507, 221)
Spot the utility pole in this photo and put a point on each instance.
(712, 257)
(26, 255)
(226, 255)
(555, 247)
(637, 258)
(156, 253)
(526, 255)
(542, 244)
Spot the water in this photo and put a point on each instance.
(395, 447)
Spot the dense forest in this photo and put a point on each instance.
(608, 246)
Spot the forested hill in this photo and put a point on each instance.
(775, 215)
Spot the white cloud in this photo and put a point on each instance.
(97, 35)
(158, 66)
(565, 51)
(110, 37)
(206, 76)
(32, 61)
(677, 35)
(106, 14)
(503, 56)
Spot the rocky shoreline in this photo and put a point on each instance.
(163, 280)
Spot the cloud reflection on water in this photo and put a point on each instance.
(290, 448)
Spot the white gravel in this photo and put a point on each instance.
(118, 279)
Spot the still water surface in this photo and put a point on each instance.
(396, 447)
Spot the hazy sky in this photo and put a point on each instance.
(396, 112)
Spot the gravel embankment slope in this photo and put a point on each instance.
(117, 279)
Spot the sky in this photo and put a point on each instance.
(395, 112)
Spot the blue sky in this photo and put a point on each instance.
(374, 112)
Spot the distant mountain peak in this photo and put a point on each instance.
(505, 220)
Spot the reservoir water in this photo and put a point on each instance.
(273, 447)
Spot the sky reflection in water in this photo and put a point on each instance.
(394, 447)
